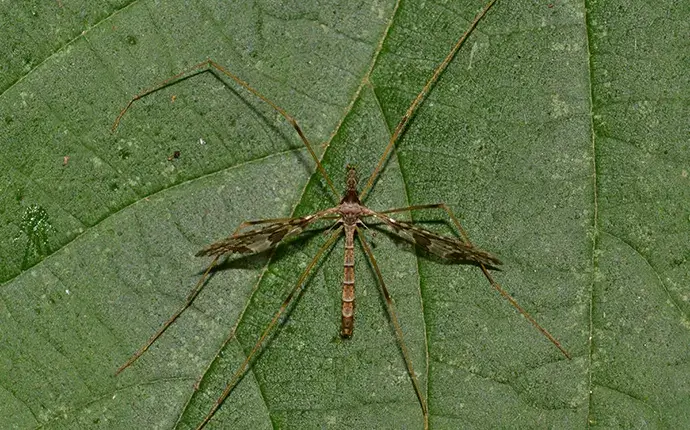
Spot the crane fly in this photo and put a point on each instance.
(349, 214)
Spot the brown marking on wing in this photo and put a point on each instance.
(261, 239)
(445, 247)
(421, 240)
(278, 235)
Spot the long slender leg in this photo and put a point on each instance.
(412, 208)
(419, 99)
(487, 274)
(190, 297)
(398, 331)
(243, 367)
(210, 65)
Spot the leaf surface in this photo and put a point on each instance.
(556, 135)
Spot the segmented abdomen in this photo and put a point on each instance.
(348, 310)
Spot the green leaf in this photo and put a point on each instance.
(558, 136)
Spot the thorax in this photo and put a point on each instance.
(351, 209)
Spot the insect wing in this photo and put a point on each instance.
(261, 239)
(442, 246)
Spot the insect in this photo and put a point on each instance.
(349, 217)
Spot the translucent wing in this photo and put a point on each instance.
(445, 247)
(263, 238)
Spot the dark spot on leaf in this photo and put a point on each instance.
(124, 153)
(131, 40)
(174, 156)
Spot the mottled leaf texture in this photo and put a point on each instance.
(558, 136)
